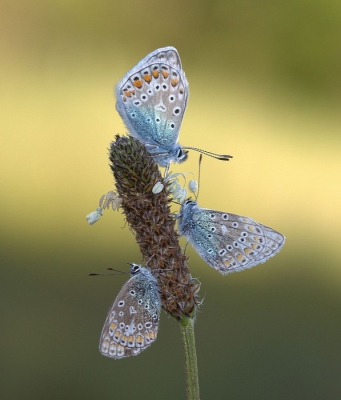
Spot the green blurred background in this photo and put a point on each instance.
(265, 87)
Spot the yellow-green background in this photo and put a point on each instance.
(265, 87)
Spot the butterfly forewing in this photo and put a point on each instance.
(132, 322)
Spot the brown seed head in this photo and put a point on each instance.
(153, 224)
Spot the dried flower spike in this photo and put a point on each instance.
(153, 224)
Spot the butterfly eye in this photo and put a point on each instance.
(181, 155)
(134, 269)
(187, 202)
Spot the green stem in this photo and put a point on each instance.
(188, 340)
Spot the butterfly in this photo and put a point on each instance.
(133, 320)
(227, 242)
(151, 99)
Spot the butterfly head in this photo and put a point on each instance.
(187, 204)
(185, 215)
(181, 155)
(134, 269)
(175, 155)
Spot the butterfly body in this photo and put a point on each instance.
(151, 99)
(227, 242)
(132, 322)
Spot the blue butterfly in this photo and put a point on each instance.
(227, 242)
(152, 99)
(133, 320)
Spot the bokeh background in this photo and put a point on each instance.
(265, 87)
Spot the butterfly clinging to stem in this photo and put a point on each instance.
(227, 242)
(133, 320)
(152, 99)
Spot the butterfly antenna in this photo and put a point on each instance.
(197, 195)
(117, 270)
(106, 274)
(111, 269)
(222, 157)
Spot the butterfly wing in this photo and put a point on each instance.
(133, 320)
(230, 242)
(152, 98)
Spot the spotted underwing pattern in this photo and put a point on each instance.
(151, 99)
(227, 242)
(133, 320)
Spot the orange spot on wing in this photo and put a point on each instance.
(137, 83)
(131, 340)
(165, 74)
(117, 336)
(127, 93)
(147, 77)
(150, 336)
(113, 326)
(247, 251)
(124, 339)
(174, 82)
(227, 263)
(139, 340)
(155, 74)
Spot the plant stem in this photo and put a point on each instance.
(188, 340)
